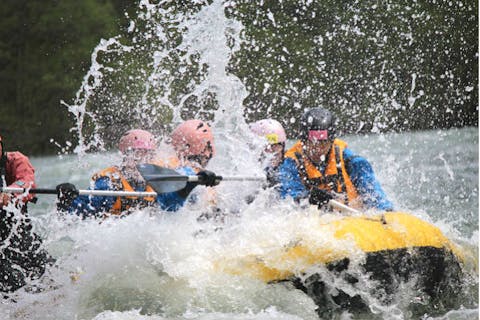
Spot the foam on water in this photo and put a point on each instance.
(154, 263)
(167, 266)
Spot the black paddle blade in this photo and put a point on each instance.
(162, 180)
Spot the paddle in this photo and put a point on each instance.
(164, 180)
(82, 192)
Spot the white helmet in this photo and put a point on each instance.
(271, 129)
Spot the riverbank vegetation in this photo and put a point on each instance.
(380, 66)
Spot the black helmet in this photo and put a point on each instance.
(318, 119)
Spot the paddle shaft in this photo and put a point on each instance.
(126, 193)
(83, 192)
(335, 204)
(166, 177)
(340, 206)
(176, 177)
(157, 177)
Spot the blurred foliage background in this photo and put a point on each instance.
(380, 65)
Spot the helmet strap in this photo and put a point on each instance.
(283, 150)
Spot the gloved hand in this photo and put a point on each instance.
(208, 178)
(319, 197)
(272, 177)
(4, 199)
(66, 193)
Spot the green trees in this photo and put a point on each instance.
(45, 49)
(390, 65)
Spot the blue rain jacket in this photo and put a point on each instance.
(360, 172)
(93, 205)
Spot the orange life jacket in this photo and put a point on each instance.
(122, 204)
(174, 163)
(171, 163)
(335, 177)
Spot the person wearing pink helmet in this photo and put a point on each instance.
(193, 143)
(194, 146)
(137, 146)
(273, 134)
(275, 137)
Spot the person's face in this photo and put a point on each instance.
(137, 156)
(203, 158)
(317, 150)
(275, 151)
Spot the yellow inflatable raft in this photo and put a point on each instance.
(386, 232)
(390, 249)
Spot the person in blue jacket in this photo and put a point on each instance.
(138, 147)
(321, 167)
(274, 134)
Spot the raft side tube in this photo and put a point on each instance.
(348, 237)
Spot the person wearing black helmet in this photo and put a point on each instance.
(321, 167)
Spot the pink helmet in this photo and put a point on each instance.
(271, 129)
(136, 139)
(192, 138)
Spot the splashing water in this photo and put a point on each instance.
(172, 64)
